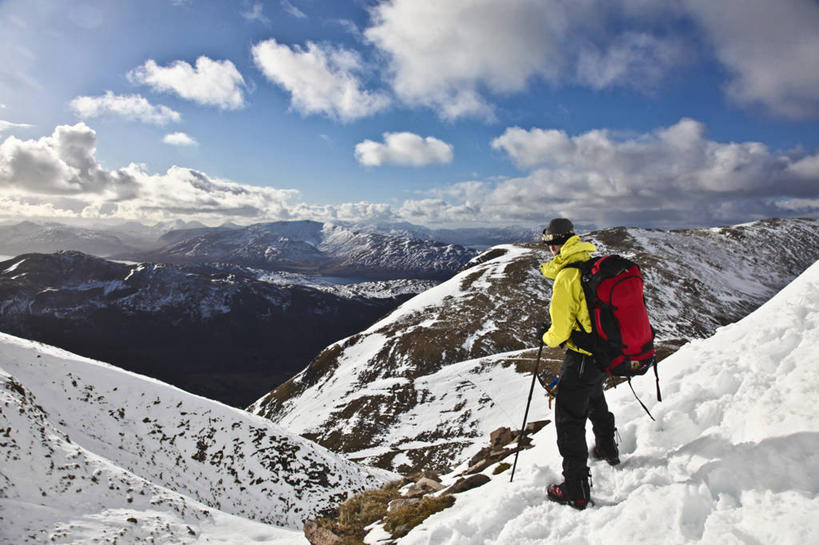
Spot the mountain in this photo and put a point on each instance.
(27, 237)
(219, 331)
(469, 237)
(427, 383)
(731, 458)
(90, 453)
(312, 248)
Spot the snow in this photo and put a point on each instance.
(13, 267)
(733, 457)
(92, 453)
(449, 289)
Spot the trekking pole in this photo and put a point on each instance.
(526, 414)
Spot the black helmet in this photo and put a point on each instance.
(558, 231)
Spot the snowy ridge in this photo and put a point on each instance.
(731, 459)
(314, 248)
(487, 316)
(88, 441)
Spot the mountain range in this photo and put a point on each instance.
(220, 331)
(424, 386)
(91, 453)
(313, 248)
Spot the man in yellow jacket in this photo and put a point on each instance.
(580, 390)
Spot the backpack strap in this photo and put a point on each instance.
(638, 399)
(657, 378)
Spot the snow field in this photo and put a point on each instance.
(733, 457)
(82, 441)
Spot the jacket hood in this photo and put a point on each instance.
(572, 251)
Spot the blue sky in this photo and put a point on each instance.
(456, 113)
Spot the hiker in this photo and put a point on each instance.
(579, 392)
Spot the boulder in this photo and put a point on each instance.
(534, 427)
(423, 487)
(468, 483)
(500, 437)
(317, 535)
(402, 502)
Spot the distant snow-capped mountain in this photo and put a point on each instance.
(27, 237)
(433, 354)
(92, 453)
(222, 331)
(315, 248)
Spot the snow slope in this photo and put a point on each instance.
(733, 457)
(480, 322)
(89, 451)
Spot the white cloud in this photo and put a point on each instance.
(293, 10)
(403, 148)
(320, 79)
(60, 164)
(671, 176)
(256, 13)
(212, 83)
(770, 48)
(633, 59)
(133, 107)
(179, 139)
(453, 56)
(7, 125)
(60, 172)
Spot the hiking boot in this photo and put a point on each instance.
(609, 453)
(574, 494)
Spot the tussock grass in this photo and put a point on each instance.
(403, 519)
(360, 511)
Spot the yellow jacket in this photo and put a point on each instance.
(568, 304)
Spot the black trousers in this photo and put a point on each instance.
(580, 396)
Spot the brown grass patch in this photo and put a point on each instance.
(403, 519)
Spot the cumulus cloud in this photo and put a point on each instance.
(60, 164)
(212, 83)
(671, 176)
(59, 173)
(320, 79)
(770, 48)
(453, 56)
(179, 139)
(403, 148)
(133, 107)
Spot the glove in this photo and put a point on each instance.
(544, 327)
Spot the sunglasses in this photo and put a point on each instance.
(555, 239)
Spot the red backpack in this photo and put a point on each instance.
(622, 339)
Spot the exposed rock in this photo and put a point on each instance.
(317, 535)
(468, 483)
(402, 502)
(500, 437)
(534, 427)
(425, 482)
(428, 474)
